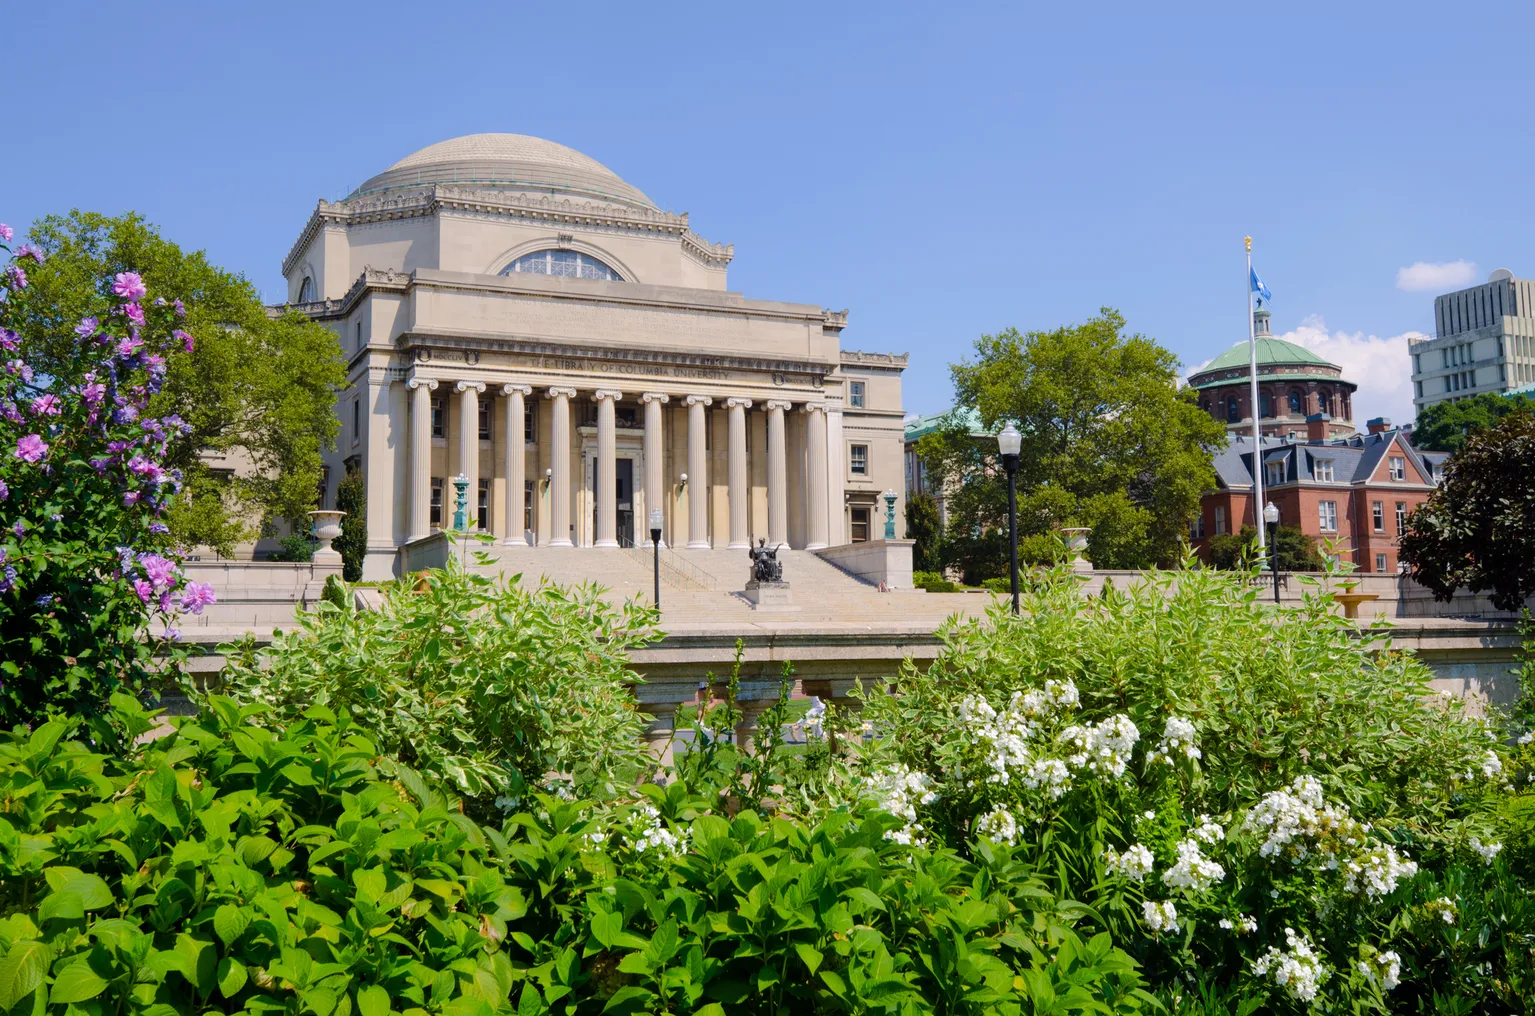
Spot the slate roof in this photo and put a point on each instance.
(1354, 458)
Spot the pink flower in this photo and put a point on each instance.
(127, 347)
(46, 405)
(31, 448)
(6, 232)
(186, 339)
(144, 589)
(17, 277)
(196, 596)
(160, 571)
(87, 327)
(93, 393)
(26, 250)
(129, 285)
(135, 314)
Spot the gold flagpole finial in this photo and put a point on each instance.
(1249, 241)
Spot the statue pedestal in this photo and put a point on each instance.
(767, 595)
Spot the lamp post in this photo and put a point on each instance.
(889, 497)
(655, 545)
(1010, 443)
(1270, 524)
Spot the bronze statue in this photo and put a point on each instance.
(765, 564)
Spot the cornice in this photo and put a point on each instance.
(859, 357)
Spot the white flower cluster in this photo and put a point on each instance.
(1102, 747)
(1160, 917)
(1243, 925)
(1178, 738)
(899, 790)
(1444, 908)
(1486, 851)
(1208, 830)
(1527, 737)
(1193, 870)
(1135, 863)
(1385, 967)
(1492, 765)
(1054, 697)
(1376, 871)
(1049, 775)
(1007, 733)
(654, 834)
(1297, 968)
(998, 825)
(1291, 818)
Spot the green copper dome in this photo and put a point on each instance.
(1271, 352)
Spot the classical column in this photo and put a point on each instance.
(655, 458)
(607, 467)
(777, 475)
(516, 438)
(815, 486)
(740, 536)
(698, 470)
(421, 389)
(469, 445)
(836, 474)
(559, 465)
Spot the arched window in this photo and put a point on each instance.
(569, 263)
(1296, 400)
(306, 290)
(1233, 412)
(1266, 404)
(1324, 402)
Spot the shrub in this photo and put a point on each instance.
(297, 547)
(352, 544)
(1237, 551)
(933, 582)
(231, 867)
(86, 563)
(474, 681)
(924, 527)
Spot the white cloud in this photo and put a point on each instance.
(1436, 277)
(1380, 367)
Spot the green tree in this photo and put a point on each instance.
(1444, 426)
(1297, 551)
(254, 384)
(1477, 529)
(352, 498)
(924, 525)
(1109, 440)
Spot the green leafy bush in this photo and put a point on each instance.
(472, 680)
(352, 544)
(298, 546)
(231, 867)
(933, 582)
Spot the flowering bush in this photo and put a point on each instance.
(89, 586)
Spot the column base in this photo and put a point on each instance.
(700, 545)
(606, 545)
(561, 543)
(733, 545)
(514, 541)
(815, 546)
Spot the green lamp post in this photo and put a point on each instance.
(460, 502)
(889, 496)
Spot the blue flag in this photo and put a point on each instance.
(1258, 286)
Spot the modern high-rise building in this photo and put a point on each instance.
(1484, 341)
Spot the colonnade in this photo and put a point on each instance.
(696, 532)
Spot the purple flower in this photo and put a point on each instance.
(181, 308)
(130, 498)
(160, 571)
(26, 250)
(20, 529)
(31, 448)
(159, 527)
(17, 276)
(196, 596)
(11, 413)
(159, 301)
(144, 589)
(172, 635)
(184, 337)
(9, 581)
(125, 558)
(5, 492)
(9, 340)
(129, 346)
(93, 393)
(87, 327)
(127, 414)
(134, 313)
(100, 465)
(6, 232)
(44, 600)
(19, 369)
(46, 405)
(128, 285)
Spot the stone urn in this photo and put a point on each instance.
(1076, 548)
(327, 526)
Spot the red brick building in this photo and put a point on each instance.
(1354, 491)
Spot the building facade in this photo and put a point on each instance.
(1484, 341)
(514, 313)
(1293, 385)
(1352, 493)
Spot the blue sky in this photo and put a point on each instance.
(942, 170)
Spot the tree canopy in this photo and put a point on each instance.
(254, 383)
(1444, 426)
(1476, 531)
(1109, 440)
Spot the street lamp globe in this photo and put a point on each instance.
(1271, 513)
(655, 523)
(1009, 442)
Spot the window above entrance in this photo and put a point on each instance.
(572, 264)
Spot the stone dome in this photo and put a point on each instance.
(511, 162)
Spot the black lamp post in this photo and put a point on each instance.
(1270, 524)
(655, 545)
(1010, 443)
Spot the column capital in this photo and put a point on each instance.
(509, 388)
(700, 400)
(814, 407)
(778, 404)
(735, 402)
(607, 393)
(464, 386)
(557, 391)
(660, 397)
(429, 383)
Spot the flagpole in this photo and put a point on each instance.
(1252, 351)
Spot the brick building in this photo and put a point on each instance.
(1353, 491)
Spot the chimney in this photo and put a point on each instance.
(1379, 425)
(1316, 427)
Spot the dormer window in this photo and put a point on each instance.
(569, 263)
(306, 290)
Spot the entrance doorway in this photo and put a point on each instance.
(624, 498)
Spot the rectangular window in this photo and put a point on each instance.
(1380, 562)
(359, 335)
(1398, 468)
(1197, 527)
(1401, 517)
(356, 420)
(482, 507)
(485, 415)
(859, 458)
(436, 513)
(860, 524)
(440, 416)
(527, 507)
(1378, 516)
(1323, 469)
(855, 394)
(1328, 513)
(1273, 473)
(530, 425)
(1220, 519)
